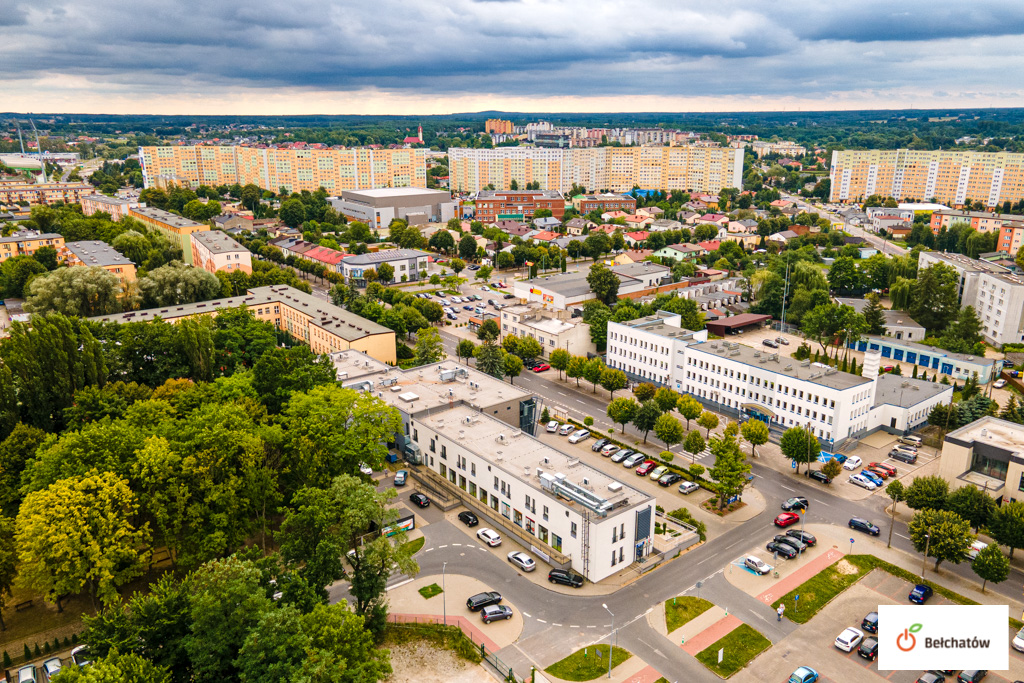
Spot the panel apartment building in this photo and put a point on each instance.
(616, 169)
(949, 177)
(172, 226)
(34, 194)
(472, 433)
(293, 169)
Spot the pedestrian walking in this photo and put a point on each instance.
(782, 608)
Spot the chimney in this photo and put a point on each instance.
(872, 361)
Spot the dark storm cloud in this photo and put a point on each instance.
(517, 47)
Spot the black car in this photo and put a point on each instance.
(531, 364)
(805, 536)
(903, 456)
(770, 344)
(670, 478)
(796, 503)
(510, 296)
(468, 518)
(420, 500)
(861, 524)
(929, 677)
(870, 622)
(818, 475)
(868, 649)
(784, 549)
(565, 577)
(971, 675)
(490, 302)
(474, 267)
(599, 444)
(794, 543)
(481, 600)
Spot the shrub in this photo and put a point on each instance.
(28, 653)
(7, 660)
(683, 515)
(37, 652)
(46, 647)
(545, 416)
(588, 421)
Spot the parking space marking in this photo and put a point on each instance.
(559, 625)
(428, 550)
(442, 546)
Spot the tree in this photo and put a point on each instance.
(15, 452)
(897, 493)
(559, 360)
(934, 302)
(429, 348)
(575, 368)
(80, 534)
(17, 272)
(708, 421)
(730, 469)
(457, 265)
(490, 359)
(385, 273)
(974, 505)
(991, 565)
(645, 392)
(1007, 525)
(176, 284)
(665, 399)
(513, 367)
(442, 240)
(123, 668)
(945, 535)
(592, 372)
(8, 563)
(603, 283)
(292, 213)
(755, 433)
(622, 411)
(82, 291)
(505, 260)
(528, 348)
(832, 469)
(694, 444)
(484, 273)
(689, 407)
(47, 257)
(279, 372)
(467, 248)
(963, 333)
(800, 445)
(874, 315)
(612, 380)
(669, 430)
(646, 417)
(928, 493)
(488, 331)
(465, 349)
(843, 274)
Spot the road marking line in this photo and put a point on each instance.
(456, 544)
(556, 624)
(541, 621)
(402, 583)
(902, 536)
(442, 546)
(428, 550)
(818, 501)
(591, 627)
(484, 549)
(787, 488)
(573, 626)
(526, 614)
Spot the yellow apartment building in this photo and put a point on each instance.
(101, 255)
(26, 242)
(16, 192)
(177, 229)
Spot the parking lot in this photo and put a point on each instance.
(467, 297)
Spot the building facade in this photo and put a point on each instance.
(212, 250)
(117, 207)
(35, 194)
(293, 169)
(615, 169)
(93, 253)
(986, 454)
(946, 176)
(960, 366)
(552, 329)
(175, 228)
(982, 221)
(27, 242)
(377, 208)
(409, 265)
(517, 205)
(648, 349)
(499, 127)
(585, 203)
(761, 148)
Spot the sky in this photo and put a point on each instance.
(440, 57)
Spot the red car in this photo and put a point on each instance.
(884, 474)
(542, 367)
(884, 467)
(787, 519)
(646, 467)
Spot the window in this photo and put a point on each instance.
(495, 483)
(506, 511)
(444, 450)
(613, 557)
(572, 529)
(556, 542)
(444, 470)
(542, 533)
(545, 513)
(517, 517)
(615, 534)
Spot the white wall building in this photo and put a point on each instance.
(649, 348)
(553, 329)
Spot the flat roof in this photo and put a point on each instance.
(931, 350)
(533, 194)
(167, 217)
(993, 431)
(741, 320)
(892, 318)
(395, 192)
(22, 235)
(655, 324)
(217, 242)
(384, 256)
(438, 385)
(526, 458)
(773, 362)
(907, 392)
(96, 253)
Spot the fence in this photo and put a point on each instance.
(465, 642)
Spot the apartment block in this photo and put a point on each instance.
(26, 242)
(293, 169)
(612, 169)
(35, 194)
(326, 328)
(946, 176)
(552, 329)
(212, 250)
(982, 221)
(117, 207)
(499, 127)
(175, 228)
(517, 205)
(585, 203)
(94, 253)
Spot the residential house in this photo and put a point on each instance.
(687, 217)
(716, 218)
(548, 223)
(746, 225)
(748, 241)
(652, 212)
(709, 245)
(544, 236)
(681, 252)
(553, 329)
(578, 226)
(513, 228)
(664, 224)
(783, 237)
(696, 205)
(633, 256)
(637, 222)
(635, 238)
(609, 216)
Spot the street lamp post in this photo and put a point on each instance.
(444, 602)
(610, 637)
(924, 562)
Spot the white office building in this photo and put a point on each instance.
(649, 348)
(553, 329)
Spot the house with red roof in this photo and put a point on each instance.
(716, 218)
(612, 215)
(782, 203)
(635, 238)
(637, 222)
(545, 236)
(709, 245)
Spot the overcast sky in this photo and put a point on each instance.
(443, 56)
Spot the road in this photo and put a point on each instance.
(883, 246)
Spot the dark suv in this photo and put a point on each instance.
(565, 577)
(481, 600)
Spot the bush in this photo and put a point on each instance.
(37, 652)
(545, 416)
(683, 515)
(7, 660)
(28, 653)
(46, 647)
(404, 352)
(588, 421)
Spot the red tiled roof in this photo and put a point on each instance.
(546, 236)
(638, 236)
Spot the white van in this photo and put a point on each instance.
(911, 440)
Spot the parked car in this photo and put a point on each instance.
(633, 460)
(509, 296)
(852, 463)
(786, 519)
(495, 613)
(27, 674)
(818, 475)
(688, 487)
(81, 655)
(566, 429)
(609, 449)
(365, 469)
(796, 503)
(907, 448)
(552, 427)
(870, 622)
(868, 649)
(477, 602)
(420, 500)
(783, 549)
(1007, 363)
(645, 467)
(474, 267)
(885, 467)
(871, 476)
(522, 560)
(902, 456)
(976, 547)
(795, 543)
(756, 564)
(920, 594)
(861, 524)
(468, 307)
(971, 675)
(1018, 641)
(622, 454)
(565, 577)
(877, 471)
(770, 344)
(999, 383)
(451, 316)
(803, 674)
(599, 444)
(658, 472)
(468, 518)
(491, 302)
(863, 482)
(806, 536)
(930, 677)
(489, 536)
(579, 435)
(541, 367)
(400, 477)
(670, 478)
(51, 667)
(849, 639)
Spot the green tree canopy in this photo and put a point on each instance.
(946, 535)
(800, 446)
(83, 291)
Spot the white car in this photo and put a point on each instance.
(553, 426)
(852, 463)
(976, 547)
(456, 300)
(51, 667)
(489, 536)
(658, 472)
(849, 639)
(365, 469)
(861, 480)
(485, 288)
(1018, 641)
(634, 460)
(999, 383)
(688, 487)
(609, 449)
(579, 435)
(756, 564)
(566, 429)
(522, 560)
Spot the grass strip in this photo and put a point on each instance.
(680, 610)
(740, 646)
(588, 663)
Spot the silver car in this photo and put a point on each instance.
(688, 487)
(51, 667)
(634, 460)
(522, 560)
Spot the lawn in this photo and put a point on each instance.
(430, 591)
(586, 665)
(680, 610)
(741, 645)
(417, 545)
